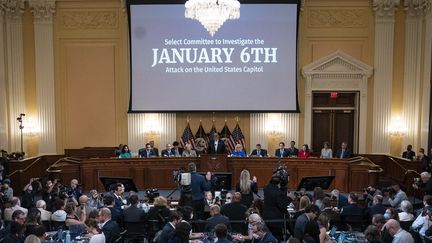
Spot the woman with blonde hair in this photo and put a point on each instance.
(247, 188)
(304, 202)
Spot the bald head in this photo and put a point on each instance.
(104, 215)
(237, 197)
(392, 226)
(83, 199)
(214, 209)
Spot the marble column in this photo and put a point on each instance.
(415, 11)
(15, 68)
(4, 133)
(383, 73)
(426, 77)
(43, 11)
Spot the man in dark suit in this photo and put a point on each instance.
(281, 151)
(292, 150)
(155, 150)
(116, 212)
(258, 152)
(147, 152)
(117, 195)
(343, 152)
(377, 207)
(235, 211)
(342, 201)
(409, 154)
(215, 219)
(168, 152)
(178, 151)
(333, 216)
(352, 212)
(275, 205)
(175, 218)
(110, 228)
(133, 213)
(216, 146)
(221, 233)
(311, 212)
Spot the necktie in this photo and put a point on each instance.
(342, 153)
(258, 153)
(148, 154)
(281, 153)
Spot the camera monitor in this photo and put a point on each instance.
(221, 181)
(310, 182)
(110, 182)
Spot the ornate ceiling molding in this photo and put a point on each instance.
(385, 8)
(417, 7)
(42, 9)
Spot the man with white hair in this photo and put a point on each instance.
(45, 214)
(15, 205)
(426, 183)
(399, 235)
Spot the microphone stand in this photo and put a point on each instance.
(21, 127)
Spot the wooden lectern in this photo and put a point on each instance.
(213, 163)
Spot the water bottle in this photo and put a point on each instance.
(60, 234)
(68, 237)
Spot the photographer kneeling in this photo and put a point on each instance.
(424, 183)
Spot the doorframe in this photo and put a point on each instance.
(337, 72)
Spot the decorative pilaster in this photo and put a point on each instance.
(383, 79)
(15, 68)
(416, 10)
(4, 138)
(258, 130)
(43, 11)
(168, 129)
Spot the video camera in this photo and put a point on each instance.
(151, 194)
(183, 180)
(281, 172)
(418, 181)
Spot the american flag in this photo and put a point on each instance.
(237, 137)
(226, 135)
(187, 137)
(210, 134)
(201, 132)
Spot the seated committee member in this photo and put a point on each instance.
(409, 154)
(216, 146)
(304, 152)
(155, 150)
(326, 152)
(178, 151)
(343, 152)
(281, 151)
(168, 152)
(238, 151)
(125, 152)
(292, 150)
(258, 152)
(147, 152)
(188, 151)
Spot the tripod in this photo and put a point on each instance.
(21, 127)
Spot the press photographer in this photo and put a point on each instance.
(395, 194)
(424, 183)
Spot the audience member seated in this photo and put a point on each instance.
(318, 196)
(39, 234)
(72, 218)
(372, 234)
(399, 235)
(407, 209)
(341, 199)
(304, 152)
(425, 185)
(84, 204)
(326, 151)
(377, 207)
(133, 213)
(181, 233)
(252, 219)
(304, 202)
(59, 214)
(168, 151)
(188, 151)
(292, 150)
(75, 190)
(116, 212)
(33, 219)
(7, 191)
(378, 220)
(178, 151)
(155, 150)
(370, 193)
(94, 201)
(323, 225)
(94, 232)
(263, 236)
(423, 221)
(221, 233)
(109, 227)
(146, 152)
(169, 227)
(216, 218)
(247, 188)
(409, 154)
(28, 194)
(125, 152)
(311, 232)
(209, 200)
(186, 213)
(343, 152)
(281, 151)
(15, 205)
(238, 151)
(160, 213)
(235, 211)
(228, 198)
(333, 216)
(353, 212)
(16, 233)
(311, 212)
(259, 152)
(424, 159)
(256, 207)
(391, 213)
(398, 197)
(45, 214)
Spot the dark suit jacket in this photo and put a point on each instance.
(333, 216)
(111, 231)
(118, 201)
(143, 153)
(293, 152)
(133, 214)
(166, 233)
(353, 212)
(215, 220)
(347, 153)
(180, 151)
(278, 153)
(235, 211)
(220, 148)
(376, 209)
(299, 227)
(116, 215)
(262, 153)
(275, 203)
(168, 153)
(408, 154)
(342, 201)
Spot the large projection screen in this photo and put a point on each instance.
(250, 64)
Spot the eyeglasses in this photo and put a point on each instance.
(228, 198)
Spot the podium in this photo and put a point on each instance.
(213, 163)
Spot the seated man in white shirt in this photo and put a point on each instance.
(399, 235)
(45, 214)
(15, 205)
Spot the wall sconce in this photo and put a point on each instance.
(397, 127)
(151, 124)
(274, 124)
(31, 128)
